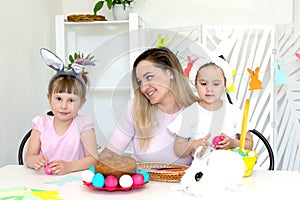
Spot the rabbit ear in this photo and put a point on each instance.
(77, 68)
(249, 70)
(256, 70)
(52, 60)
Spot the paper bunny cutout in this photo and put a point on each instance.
(255, 83)
(231, 87)
(280, 76)
(161, 41)
(215, 171)
(189, 65)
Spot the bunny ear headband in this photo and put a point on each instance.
(207, 56)
(57, 64)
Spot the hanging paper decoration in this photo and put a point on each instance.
(161, 41)
(297, 55)
(189, 66)
(255, 83)
(280, 76)
(231, 87)
(177, 52)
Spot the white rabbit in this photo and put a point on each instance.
(219, 170)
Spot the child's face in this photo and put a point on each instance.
(210, 85)
(65, 106)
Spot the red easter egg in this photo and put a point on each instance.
(111, 182)
(47, 169)
(138, 179)
(216, 140)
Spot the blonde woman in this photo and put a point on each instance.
(161, 92)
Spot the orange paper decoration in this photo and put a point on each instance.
(255, 83)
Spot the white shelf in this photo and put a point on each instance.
(112, 22)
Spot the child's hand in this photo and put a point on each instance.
(226, 143)
(41, 161)
(60, 167)
(201, 142)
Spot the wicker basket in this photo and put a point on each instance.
(163, 172)
(249, 163)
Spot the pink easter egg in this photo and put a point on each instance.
(216, 140)
(138, 179)
(111, 182)
(47, 169)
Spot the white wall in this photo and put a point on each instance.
(176, 13)
(26, 26)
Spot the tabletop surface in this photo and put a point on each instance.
(271, 184)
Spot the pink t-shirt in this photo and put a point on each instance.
(67, 147)
(161, 148)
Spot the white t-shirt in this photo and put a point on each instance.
(196, 122)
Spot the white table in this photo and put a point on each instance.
(274, 184)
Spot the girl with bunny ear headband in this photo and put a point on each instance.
(66, 141)
(57, 64)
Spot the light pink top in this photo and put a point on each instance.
(67, 147)
(161, 148)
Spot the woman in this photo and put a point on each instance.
(161, 91)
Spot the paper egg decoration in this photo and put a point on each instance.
(125, 181)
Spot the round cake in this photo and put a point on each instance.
(116, 166)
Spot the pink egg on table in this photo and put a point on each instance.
(111, 182)
(47, 169)
(216, 140)
(138, 179)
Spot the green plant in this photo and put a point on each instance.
(77, 57)
(110, 4)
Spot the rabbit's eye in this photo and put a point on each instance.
(198, 176)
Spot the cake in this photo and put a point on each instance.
(116, 166)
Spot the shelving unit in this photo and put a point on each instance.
(111, 43)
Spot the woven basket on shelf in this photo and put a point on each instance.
(163, 172)
(85, 18)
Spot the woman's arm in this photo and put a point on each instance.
(33, 159)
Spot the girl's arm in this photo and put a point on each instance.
(231, 143)
(89, 143)
(33, 159)
(183, 147)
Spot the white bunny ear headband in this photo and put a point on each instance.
(57, 64)
(207, 56)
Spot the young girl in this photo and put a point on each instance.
(65, 140)
(209, 117)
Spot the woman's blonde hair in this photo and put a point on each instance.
(145, 114)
